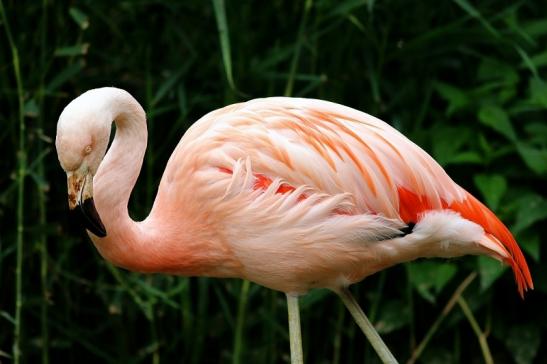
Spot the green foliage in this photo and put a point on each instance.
(430, 277)
(492, 187)
(489, 271)
(464, 80)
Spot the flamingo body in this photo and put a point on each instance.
(289, 193)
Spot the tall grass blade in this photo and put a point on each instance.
(297, 48)
(486, 353)
(473, 12)
(240, 323)
(224, 37)
(21, 172)
(41, 196)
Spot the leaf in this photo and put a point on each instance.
(497, 119)
(536, 28)
(393, 315)
(467, 157)
(527, 61)
(347, 7)
(512, 21)
(31, 108)
(535, 158)
(457, 99)
(447, 142)
(489, 271)
(523, 342)
(65, 75)
(532, 208)
(430, 277)
(538, 60)
(472, 11)
(537, 131)
(492, 187)
(79, 17)
(224, 36)
(71, 51)
(313, 297)
(491, 69)
(538, 90)
(168, 85)
(531, 246)
(7, 316)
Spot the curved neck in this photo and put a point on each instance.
(163, 242)
(119, 170)
(117, 175)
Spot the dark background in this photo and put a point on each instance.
(466, 81)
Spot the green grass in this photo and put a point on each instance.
(21, 156)
(466, 81)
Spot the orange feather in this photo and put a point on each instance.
(413, 206)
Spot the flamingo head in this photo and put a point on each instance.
(83, 132)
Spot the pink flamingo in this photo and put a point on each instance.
(292, 194)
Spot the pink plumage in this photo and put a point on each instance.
(289, 193)
(349, 182)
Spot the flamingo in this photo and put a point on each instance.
(289, 193)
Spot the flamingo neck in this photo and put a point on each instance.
(155, 244)
(116, 177)
(121, 165)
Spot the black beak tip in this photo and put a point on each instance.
(87, 216)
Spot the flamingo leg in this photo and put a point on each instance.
(294, 330)
(366, 326)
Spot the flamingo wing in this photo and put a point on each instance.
(320, 151)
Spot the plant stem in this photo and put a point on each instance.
(373, 311)
(410, 299)
(42, 219)
(21, 172)
(368, 329)
(187, 318)
(238, 339)
(271, 337)
(224, 38)
(297, 357)
(154, 334)
(446, 310)
(337, 344)
(298, 47)
(200, 328)
(147, 309)
(476, 328)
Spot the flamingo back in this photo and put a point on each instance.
(305, 146)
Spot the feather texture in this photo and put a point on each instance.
(322, 189)
(289, 193)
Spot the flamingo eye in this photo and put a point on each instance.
(87, 149)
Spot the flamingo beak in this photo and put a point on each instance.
(80, 202)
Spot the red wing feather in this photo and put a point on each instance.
(412, 206)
